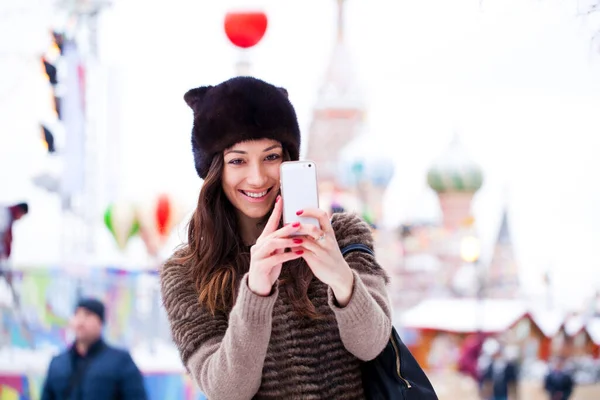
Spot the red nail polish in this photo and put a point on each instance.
(298, 241)
(299, 252)
(299, 212)
(296, 224)
(277, 199)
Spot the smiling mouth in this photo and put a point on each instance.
(256, 195)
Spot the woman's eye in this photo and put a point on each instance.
(273, 157)
(236, 161)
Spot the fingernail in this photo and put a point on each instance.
(300, 252)
(299, 212)
(296, 224)
(277, 199)
(298, 241)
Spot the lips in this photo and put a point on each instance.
(253, 194)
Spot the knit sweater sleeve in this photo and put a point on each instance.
(224, 354)
(365, 322)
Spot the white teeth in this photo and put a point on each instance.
(256, 195)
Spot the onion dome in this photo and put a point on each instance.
(361, 161)
(455, 171)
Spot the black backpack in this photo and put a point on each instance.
(393, 374)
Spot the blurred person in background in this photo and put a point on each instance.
(91, 369)
(500, 377)
(252, 319)
(558, 383)
(8, 216)
(470, 352)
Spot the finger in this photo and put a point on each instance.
(310, 230)
(287, 230)
(314, 247)
(273, 245)
(282, 258)
(320, 215)
(273, 221)
(308, 256)
(294, 249)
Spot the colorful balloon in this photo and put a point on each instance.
(245, 28)
(121, 221)
(164, 215)
(157, 218)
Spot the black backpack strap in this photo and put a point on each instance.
(357, 247)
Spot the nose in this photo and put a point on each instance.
(256, 175)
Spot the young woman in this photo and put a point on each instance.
(255, 312)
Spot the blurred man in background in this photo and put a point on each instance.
(91, 369)
(559, 382)
(500, 377)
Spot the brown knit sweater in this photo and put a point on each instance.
(262, 349)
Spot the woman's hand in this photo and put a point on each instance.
(268, 254)
(324, 257)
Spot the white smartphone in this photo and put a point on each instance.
(298, 182)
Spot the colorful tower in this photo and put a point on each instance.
(365, 174)
(455, 178)
(432, 259)
(339, 112)
(503, 275)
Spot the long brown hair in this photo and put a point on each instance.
(217, 257)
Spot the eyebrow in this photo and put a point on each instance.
(243, 152)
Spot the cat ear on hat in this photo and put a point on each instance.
(194, 97)
(284, 91)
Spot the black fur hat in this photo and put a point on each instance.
(238, 110)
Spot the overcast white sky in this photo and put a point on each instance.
(519, 80)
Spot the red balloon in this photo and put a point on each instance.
(163, 213)
(245, 28)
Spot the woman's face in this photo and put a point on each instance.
(251, 176)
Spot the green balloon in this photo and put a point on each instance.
(108, 219)
(109, 222)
